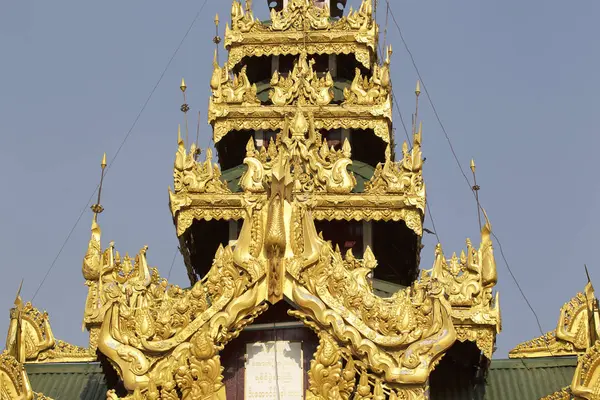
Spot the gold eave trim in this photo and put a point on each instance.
(257, 44)
(358, 207)
(226, 118)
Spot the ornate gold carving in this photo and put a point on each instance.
(301, 27)
(315, 167)
(190, 176)
(403, 177)
(14, 383)
(572, 334)
(238, 90)
(371, 91)
(30, 338)
(226, 118)
(301, 86)
(586, 381)
(300, 15)
(563, 394)
(468, 281)
(328, 378)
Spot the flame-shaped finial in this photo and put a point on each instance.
(103, 163)
(418, 88)
(182, 87)
(473, 165)
(216, 19)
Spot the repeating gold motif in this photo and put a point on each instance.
(403, 177)
(226, 118)
(374, 90)
(572, 334)
(30, 338)
(232, 91)
(301, 27)
(302, 86)
(468, 281)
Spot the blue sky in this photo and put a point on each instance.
(515, 83)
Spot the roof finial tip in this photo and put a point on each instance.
(183, 86)
(418, 88)
(472, 165)
(103, 163)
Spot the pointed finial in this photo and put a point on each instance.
(217, 19)
(587, 273)
(18, 302)
(97, 208)
(418, 88)
(178, 133)
(473, 165)
(182, 87)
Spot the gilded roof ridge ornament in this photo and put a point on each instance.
(572, 333)
(231, 90)
(401, 177)
(302, 26)
(302, 86)
(468, 282)
(30, 338)
(370, 91)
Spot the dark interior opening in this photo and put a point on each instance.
(286, 63)
(200, 243)
(231, 149)
(321, 66)
(397, 250)
(334, 138)
(367, 147)
(345, 234)
(346, 67)
(258, 69)
(460, 374)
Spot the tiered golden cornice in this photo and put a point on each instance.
(572, 333)
(165, 340)
(302, 27)
(396, 191)
(468, 281)
(226, 117)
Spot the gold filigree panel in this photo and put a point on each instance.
(301, 27)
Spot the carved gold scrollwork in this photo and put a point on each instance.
(572, 333)
(238, 90)
(190, 176)
(14, 382)
(301, 86)
(301, 27)
(372, 91)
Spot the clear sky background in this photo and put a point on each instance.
(515, 83)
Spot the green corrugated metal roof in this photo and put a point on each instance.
(528, 379)
(76, 381)
(362, 172)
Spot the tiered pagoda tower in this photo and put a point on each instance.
(301, 240)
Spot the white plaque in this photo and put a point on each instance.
(274, 371)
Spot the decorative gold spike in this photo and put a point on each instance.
(418, 88)
(473, 165)
(178, 133)
(182, 87)
(217, 19)
(97, 208)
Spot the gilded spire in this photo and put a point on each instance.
(97, 208)
(476, 191)
(184, 109)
